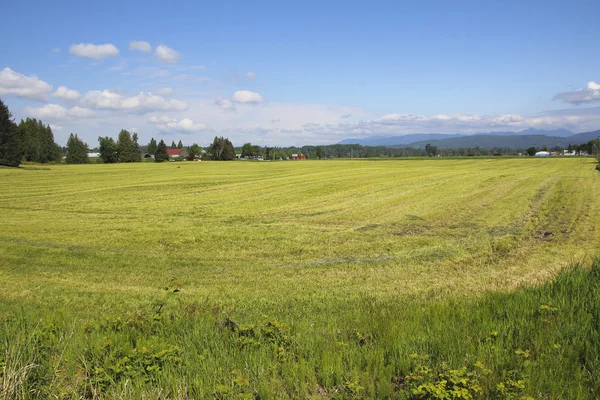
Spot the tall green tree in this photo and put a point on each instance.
(151, 148)
(108, 150)
(319, 152)
(38, 142)
(180, 145)
(49, 150)
(193, 151)
(127, 148)
(10, 141)
(221, 149)
(161, 152)
(77, 150)
(30, 139)
(137, 153)
(173, 145)
(248, 150)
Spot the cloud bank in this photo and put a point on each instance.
(589, 94)
(29, 87)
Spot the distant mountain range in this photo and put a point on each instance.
(512, 140)
(398, 140)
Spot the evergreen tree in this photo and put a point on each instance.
(108, 150)
(161, 152)
(173, 145)
(76, 150)
(29, 137)
(180, 145)
(10, 142)
(49, 150)
(151, 148)
(38, 142)
(137, 153)
(126, 148)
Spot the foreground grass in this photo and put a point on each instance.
(299, 279)
(539, 342)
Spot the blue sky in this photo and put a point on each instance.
(283, 73)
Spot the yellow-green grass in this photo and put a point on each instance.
(298, 279)
(245, 231)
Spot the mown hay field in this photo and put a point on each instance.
(255, 262)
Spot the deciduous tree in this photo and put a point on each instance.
(319, 152)
(193, 151)
(221, 149)
(76, 150)
(108, 150)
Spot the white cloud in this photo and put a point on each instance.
(56, 128)
(94, 51)
(225, 104)
(66, 94)
(464, 123)
(56, 50)
(250, 75)
(30, 87)
(166, 54)
(185, 125)
(142, 102)
(80, 112)
(140, 45)
(247, 97)
(589, 94)
(164, 91)
(57, 112)
(346, 116)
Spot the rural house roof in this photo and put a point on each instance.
(174, 152)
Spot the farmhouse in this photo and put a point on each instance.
(93, 155)
(177, 153)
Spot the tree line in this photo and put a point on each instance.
(30, 140)
(33, 141)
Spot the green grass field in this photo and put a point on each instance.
(314, 279)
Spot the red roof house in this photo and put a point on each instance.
(175, 153)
